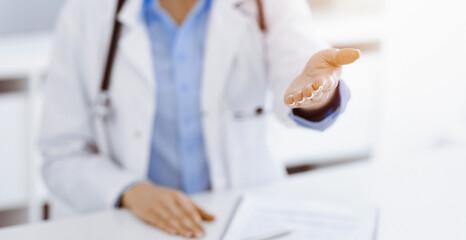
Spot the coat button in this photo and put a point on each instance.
(259, 111)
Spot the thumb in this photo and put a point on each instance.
(340, 57)
(204, 215)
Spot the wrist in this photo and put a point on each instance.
(125, 200)
(320, 112)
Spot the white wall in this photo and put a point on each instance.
(349, 6)
(425, 81)
(28, 15)
(13, 150)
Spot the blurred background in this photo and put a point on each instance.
(407, 91)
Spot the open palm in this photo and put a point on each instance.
(317, 83)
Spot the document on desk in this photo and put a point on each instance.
(260, 218)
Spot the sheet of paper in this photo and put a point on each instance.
(259, 216)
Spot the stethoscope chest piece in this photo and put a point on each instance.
(101, 109)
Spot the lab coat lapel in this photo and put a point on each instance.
(136, 70)
(222, 42)
(225, 27)
(135, 42)
(223, 38)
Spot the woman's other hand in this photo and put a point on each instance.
(170, 211)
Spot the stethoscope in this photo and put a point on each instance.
(101, 110)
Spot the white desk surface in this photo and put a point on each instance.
(120, 224)
(421, 196)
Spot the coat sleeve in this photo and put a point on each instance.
(291, 40)
(328, 115)
(72, 169)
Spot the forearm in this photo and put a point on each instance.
(86, 181)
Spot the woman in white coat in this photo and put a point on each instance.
(188, 98)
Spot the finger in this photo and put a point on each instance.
(319, 97)
(308, 92)
(332, 83)
(194, 230)
(340, 57)
(157, 222)
(174, 210)
(188, 208)
(168, 220)
(185, 226)
(298, 97)
(192, 218)
(319, 84)
(204, 215)
(289, 100)
(327, 83)
(180, 218)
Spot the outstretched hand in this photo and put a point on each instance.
(317, 83)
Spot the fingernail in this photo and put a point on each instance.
(307, 91)
(188, 234)
(289, 100)
(300, 98)
(199, 234)
(312, 96)
(359, 51)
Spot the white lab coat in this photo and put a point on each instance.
(241, 65)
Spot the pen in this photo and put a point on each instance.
(271, 234)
